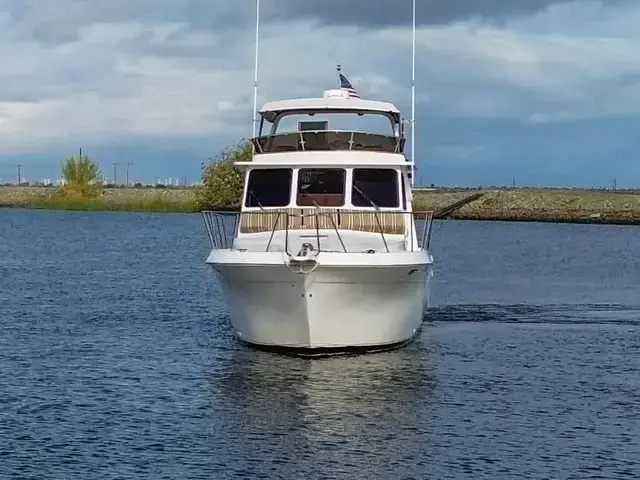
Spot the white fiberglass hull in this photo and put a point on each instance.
(333, 307)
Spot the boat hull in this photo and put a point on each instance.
(331, 308)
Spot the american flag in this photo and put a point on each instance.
(347, 87)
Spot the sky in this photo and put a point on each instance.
(536, 92)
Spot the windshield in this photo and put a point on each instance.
(375, 187)
(269, 187)
(330, 131)
(343, 121)
(322, 187)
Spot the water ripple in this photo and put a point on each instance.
(593, 314)
(118, 361)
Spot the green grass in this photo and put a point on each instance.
(516, 205)
(151, 203)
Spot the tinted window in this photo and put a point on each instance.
(299, 141)
(270, 187)
(323, 187)
(374, 122)
(377, 185)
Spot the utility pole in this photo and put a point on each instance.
(128, 165)
(115, 173)
(19, 167)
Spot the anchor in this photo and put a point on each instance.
(305, 261)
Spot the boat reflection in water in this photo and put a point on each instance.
(347, 416)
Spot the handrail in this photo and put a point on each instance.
(265, 143)
(206, 219)
(222, 234)
(430, 225)
(384, 240)
(426, 233)
(335, 228)
(273, 230)
(219, 235)
(318, 231)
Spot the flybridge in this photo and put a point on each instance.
(339, 120)
(332, 99)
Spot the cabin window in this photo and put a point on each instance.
(322, 187)
(269, 187)
(375, 185)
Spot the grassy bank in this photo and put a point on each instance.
(540, 205)
(113, 199)
(519, 205)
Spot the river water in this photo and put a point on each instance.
(117, 361)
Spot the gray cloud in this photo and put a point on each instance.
(60, 21)
(128, 77)
(377, 13)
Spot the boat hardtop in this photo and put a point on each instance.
(329, 101)
(334, 122)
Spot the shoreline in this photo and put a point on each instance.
(547, 205)
(161, 200)
(538, 205)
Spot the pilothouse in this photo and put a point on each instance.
(326, 252)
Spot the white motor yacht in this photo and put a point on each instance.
(326, 253)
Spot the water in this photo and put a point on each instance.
(117, 361)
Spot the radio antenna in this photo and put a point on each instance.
(254, 118)
(413, 98)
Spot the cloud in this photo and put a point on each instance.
(399, 12)
(62, 20)
(109, 72)
(116, 79)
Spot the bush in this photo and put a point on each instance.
(82, 177)
(222, 182)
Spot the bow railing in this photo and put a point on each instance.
(398, 231)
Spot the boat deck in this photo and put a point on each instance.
(323, 240)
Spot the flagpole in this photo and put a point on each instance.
(254, 119)
(413, 97)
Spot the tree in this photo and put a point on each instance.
(81, 176)
(222, 181)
